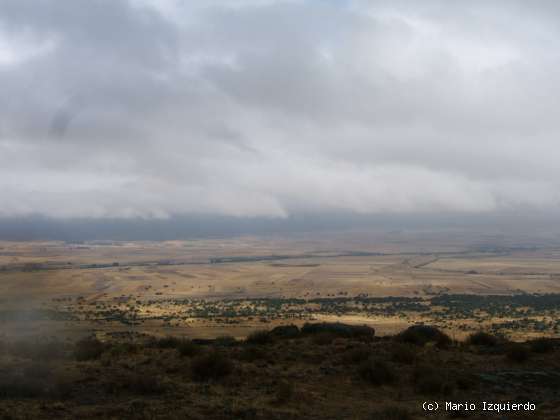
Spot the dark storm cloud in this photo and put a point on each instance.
(270, 108)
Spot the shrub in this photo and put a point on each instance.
(323, 339)
(167, 342)
(143, 384)
(542, 345)
(259, 337)
(431, 380)
(357, 355)
(403, 354)
(124, 348)
(88, 349)
(284, 391)
(421, 334)
(225, 341)
(482, 338)
(188, 349)
(285, 331)
(361, 332)
(444, 341)
(517, 353)
(250, 354)
(465, 380)
(212, 365)
(376, 372)
(391, 413)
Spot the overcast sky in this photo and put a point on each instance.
(153, 108)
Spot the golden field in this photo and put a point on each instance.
(183, 287)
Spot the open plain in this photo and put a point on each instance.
(215, 287)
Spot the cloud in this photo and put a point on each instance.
(270, 108)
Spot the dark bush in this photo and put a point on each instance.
(422, 334)
(143, 384)
(517, 353)
(444, 341)
(284, 391)
(482, 338)
(250, 354)
(285, 331)
(203, 341)
(361, 332)
(542, 345)
(259, 337)
(88, 349)
(123, 349)
(403, 353)
(323, 339)
(376, 372)
(225, 341)
(357, 355)
(188, 349)
(212, 365)
(432, 380)
(392, 413)
(465, 380)
(167, 342)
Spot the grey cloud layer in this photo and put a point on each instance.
(268, 108)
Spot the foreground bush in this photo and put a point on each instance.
(188, 349)
(212, 365)
(225, 341)
(377, 372)
(88, 349)
(285, 331)
(357, 355)
(517, 353)
(362, 332)
(465, 380)
(432, 380)
(403, 353)
(167, 342)
(482, 338)
(284, 392)
(323, 339)
(250, 354)
(542, 345)
(420, 335)
(259, 337)
(123, 349)
(143, 384)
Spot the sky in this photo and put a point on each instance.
(156, 109)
